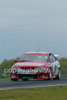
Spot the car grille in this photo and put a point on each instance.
(27, 75)
(27, 68)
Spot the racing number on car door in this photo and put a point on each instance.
(53, 64)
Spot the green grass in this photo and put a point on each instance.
(46, 93)
(5, 79)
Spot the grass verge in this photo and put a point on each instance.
(46, 93)
(5, 79)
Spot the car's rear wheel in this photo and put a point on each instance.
(14, 79)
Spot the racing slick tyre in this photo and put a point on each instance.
(14, 79)
(24, 79)
(58, 76)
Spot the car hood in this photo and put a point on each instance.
(30, 64)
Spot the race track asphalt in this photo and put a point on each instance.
(31, 84)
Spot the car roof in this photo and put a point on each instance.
(36, 53)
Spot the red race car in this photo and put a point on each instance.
(36, 65)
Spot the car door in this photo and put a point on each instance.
(54, 64)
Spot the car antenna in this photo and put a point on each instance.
(37, 49)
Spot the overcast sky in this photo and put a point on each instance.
(28, 25)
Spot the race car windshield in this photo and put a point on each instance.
(33, 58)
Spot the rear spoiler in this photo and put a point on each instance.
(56, 55)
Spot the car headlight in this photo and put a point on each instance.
(37, 69)
(14, 69)
(46, 70)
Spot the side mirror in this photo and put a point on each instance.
(16, 60)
